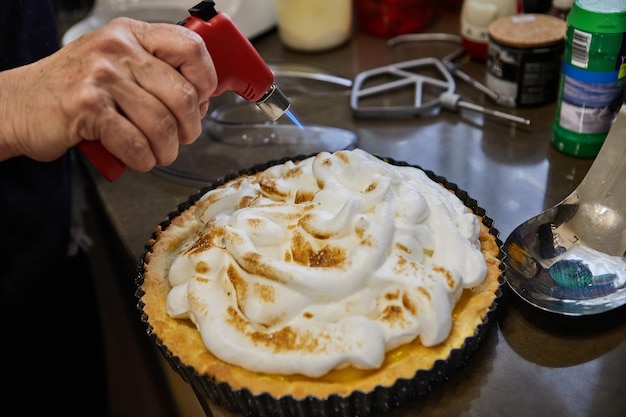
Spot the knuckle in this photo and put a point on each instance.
(168, 126)
(195, 44)
(137, 150)
(94, 114)
(101, 71)
(187, 96)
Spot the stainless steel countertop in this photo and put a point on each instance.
(530, 363)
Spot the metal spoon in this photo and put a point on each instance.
(571, 258)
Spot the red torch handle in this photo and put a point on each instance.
(104, 161)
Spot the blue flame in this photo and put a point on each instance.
(293, 118)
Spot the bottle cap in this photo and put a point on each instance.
(562, 4)
(597, 21)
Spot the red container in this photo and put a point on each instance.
(388, 18)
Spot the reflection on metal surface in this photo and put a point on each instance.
(570, 259)
(236, 136)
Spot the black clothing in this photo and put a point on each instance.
(51, 349)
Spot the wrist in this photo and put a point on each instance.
(9, 132)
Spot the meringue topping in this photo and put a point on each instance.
(324, 263)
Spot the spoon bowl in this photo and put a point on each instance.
(570, 259)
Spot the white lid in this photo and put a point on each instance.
(562, 4)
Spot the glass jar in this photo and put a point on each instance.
(388, 18)
(311, 26)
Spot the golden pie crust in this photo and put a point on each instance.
(183, 340)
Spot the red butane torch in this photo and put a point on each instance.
(239, 68)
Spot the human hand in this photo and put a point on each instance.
(139, 88)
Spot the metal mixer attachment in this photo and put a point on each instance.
(401, 76)
(420, 86)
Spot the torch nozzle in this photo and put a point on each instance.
(274, 103)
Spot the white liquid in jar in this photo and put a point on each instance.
(307, 25)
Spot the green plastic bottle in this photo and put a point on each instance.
(591, 89)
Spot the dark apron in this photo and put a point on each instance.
(51, 352)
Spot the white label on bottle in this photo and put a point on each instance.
(581, 42)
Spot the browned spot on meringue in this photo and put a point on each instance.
(368, 242)
(304, 254)
(287, 340)
(425, 293)
(270, 187)
(210, 199)
(300, 249)
(264, 292)
(202, 268)
(205, 241)
(305, 224)
(342, 156)
(328, 256)
(392, 314)
(256, 223)
(236, 184)
(294, 172)
(240, 285)
(408, 304)
(403, 265)
(450, 281)
(201, 279)
(304, 196)
(248, 201)
(403, 248)
(373, 186)
(235, 319)
(253, 262)
(392, 295)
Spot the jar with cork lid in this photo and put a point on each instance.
(524, 59)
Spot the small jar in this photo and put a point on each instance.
(524, 59)
(312, 26)
(388, 18)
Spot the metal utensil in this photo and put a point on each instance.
(448, 60)
(412, 74)
(570, 259)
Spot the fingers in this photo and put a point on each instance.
(181, 110)
(149, 92)
(187, 90)
(164, 123)
(191, 58)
